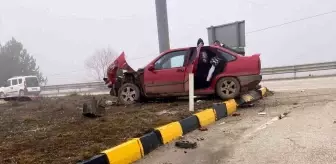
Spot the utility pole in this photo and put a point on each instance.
(162, 24)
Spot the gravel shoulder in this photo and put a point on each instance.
(53, 130)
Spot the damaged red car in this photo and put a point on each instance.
(216, 70)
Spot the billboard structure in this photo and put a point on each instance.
(231, 34)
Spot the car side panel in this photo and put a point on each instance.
(164, 81)
(16, 88)
(242, 67)
(237, 68)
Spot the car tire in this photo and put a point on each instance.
(227, 88)
(21, 93)
(2, 95)
(128, 93)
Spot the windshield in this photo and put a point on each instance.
(32, 82)
(8, 83)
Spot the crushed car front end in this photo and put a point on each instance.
(124, 82)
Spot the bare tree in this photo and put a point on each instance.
(98, 63)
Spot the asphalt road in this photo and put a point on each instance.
(301, 84)
(306, 136)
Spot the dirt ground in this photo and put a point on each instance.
(53, 130)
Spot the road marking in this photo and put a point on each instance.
(263, 126)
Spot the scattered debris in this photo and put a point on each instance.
(185, 152)
(235, 114)
(295, 103)
(262, 110)
(286, 113)
(166, 112)
(247, 105)
(334, 122)
(109, 102)
(94, 109)
(251, 105)
(262, 113)
(222, 123)
(200, 139)
(199, 101)
(302, 90)
(186, 144)
(281, 116)
(203, 129)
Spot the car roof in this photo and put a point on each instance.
(178, 49)
(185, 48)
(19, 77)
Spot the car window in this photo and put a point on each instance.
(171, 60)
(32, 82)
(14, 82)
(20, 81)
(228, 57)
(8, 83)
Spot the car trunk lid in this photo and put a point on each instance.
(253, 62)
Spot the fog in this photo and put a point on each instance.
(62, 34)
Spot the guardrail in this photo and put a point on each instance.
(265, 71)
(299, 68)
(74, 86)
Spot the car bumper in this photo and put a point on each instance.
(249, 82)
(113, 86)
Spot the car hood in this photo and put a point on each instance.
(118, 64)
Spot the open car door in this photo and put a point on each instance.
(193, 59)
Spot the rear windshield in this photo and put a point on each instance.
(32, 82)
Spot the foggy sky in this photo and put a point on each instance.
(62, 34)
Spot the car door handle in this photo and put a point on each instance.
(180, 70)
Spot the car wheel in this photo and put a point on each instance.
(128, 93)
(2, 95)
(227, 88)
(21, 93)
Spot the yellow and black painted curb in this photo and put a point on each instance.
(137, 148)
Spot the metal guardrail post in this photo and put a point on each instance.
(294, 70)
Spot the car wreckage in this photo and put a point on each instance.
(217, 70)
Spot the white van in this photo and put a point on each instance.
(20, 86)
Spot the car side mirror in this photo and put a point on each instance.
(151, 68)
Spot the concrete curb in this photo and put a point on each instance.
(137, 148)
